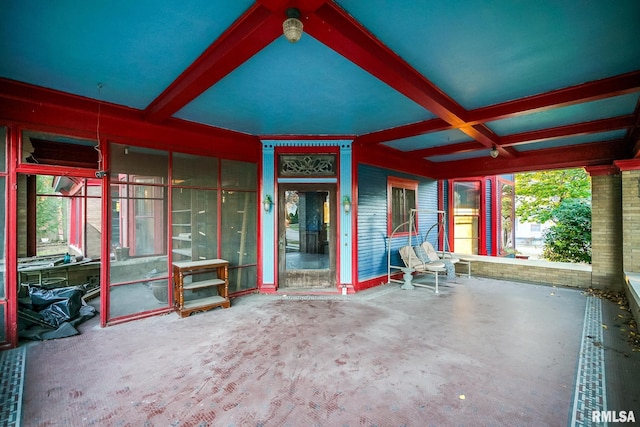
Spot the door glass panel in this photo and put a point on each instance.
(139, 274)
(307, 230)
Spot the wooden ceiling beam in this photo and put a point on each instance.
(582, 155)
(592, 91)
(603, 125)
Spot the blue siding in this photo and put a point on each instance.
(372, 218)
(488, 215)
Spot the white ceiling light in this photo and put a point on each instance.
(494, 152)
(292, 26)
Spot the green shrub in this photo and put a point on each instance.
(569, 240)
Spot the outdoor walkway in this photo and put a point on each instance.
(480, 353)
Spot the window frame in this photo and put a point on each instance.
(404, 184)
(479, 214)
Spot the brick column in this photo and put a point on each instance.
(606, 228)
(630, 170)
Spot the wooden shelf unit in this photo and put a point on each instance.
(192, 269)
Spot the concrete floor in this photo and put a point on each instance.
(482, 352)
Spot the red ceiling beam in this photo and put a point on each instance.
(591, 91)
(603, 125)
(339, 31)
(591, 154)
(247, 36)
(44, 109)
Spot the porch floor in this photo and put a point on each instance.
(482, 352)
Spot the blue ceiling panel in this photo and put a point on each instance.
(302, 88)
(486, 52)
(435, 139)
(460, 156)
(134, 48)
(573, 140)
(604, 108)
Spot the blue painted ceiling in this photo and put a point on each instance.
(477, 53)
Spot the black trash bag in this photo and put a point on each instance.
(57, 306)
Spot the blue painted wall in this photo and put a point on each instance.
(372, 219)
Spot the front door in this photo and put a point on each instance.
(306, 236)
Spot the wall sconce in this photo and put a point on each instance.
(292, 26)
(267, 202)
(346, 204)
(494, 152)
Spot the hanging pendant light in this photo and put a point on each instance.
(292, 26)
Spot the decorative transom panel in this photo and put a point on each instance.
(296, 165)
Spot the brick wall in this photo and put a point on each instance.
(529, 271)
(606, 232)
(631, 220)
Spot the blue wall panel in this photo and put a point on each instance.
(372, 218)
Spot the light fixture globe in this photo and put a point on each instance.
(292, 26)
(494, 152)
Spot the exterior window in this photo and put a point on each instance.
(402, 197)
(466, 216)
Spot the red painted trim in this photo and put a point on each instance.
(252, 32)
(35, 169)
(601, 170)
(482, 220)
(628, 165)
(105, 241)
(496, 215)
(441, 207)
(11, 284)
(371, 283)
(354, 222)
(137, 316)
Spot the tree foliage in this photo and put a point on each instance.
(48, 208)
(539, 194)
(569, 240)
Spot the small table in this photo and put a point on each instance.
(193, 268)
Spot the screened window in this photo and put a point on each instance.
(402, 199)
